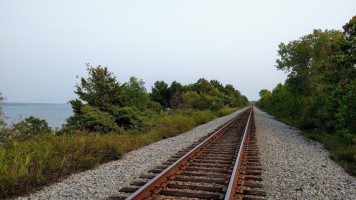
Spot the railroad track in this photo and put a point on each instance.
(224, 165)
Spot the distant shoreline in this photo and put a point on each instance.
(55, 114)
(32, 104)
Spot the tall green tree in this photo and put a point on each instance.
(134, 94)
(174, 87)
(100, 89)
(319, 94)
(217, 85)
(344, 60)
(304, 59)
(161, 93)
(202, 86)
(98, 94)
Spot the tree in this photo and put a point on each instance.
(263, 93)
(319, 90)
(191, 99)
(161, 93)
(174, 87)
(304, 59)
(265, 98)
(31, 126)
(202, 86)
(197, 101)
(100, 89)
(229, 89)
(217, 85)
(134, 94)
(106, 106)
(344, 61)
(97, 95)
(244, 100)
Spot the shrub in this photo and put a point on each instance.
(32, 126)
(128, 117)
(92, 119)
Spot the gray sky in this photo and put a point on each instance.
(45, 44)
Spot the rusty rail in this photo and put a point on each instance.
(230, 192)
(162, 177)
(222, 166)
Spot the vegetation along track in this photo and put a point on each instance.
(224, 165)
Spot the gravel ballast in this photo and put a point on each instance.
(295, 168)
(108, 178)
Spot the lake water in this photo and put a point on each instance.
(54, 114)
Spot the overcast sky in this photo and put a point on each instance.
(45, 44)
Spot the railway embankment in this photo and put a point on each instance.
(297, 168)
(108, 178)
(292, 167)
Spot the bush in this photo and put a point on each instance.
(128, 117)
(32, 126)
(28, 128)
(92, 119)
(215, 107)
(194, 100)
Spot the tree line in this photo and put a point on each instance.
(110, 118)
(105, 105)
(319, 94)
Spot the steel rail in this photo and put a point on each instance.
(160, 178)
(230, 192)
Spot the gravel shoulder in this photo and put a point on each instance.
(294, 168)
(108, 178)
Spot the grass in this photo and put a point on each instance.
(26, 166)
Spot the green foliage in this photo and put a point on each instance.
(26, 129)
(167, 96)
(161, 93)
(319, 94)
(92, 119)
(26, 166)
(175, 86)
(217, 85)
(154, 106)
(206, 95)
(191, 100)
(105, 106)
(197, 101)
(128, 117)
(134, 94)
(202, 86)
(32, 126)
(347, 114)
(100, 89)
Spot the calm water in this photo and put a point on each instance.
(54, 114)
